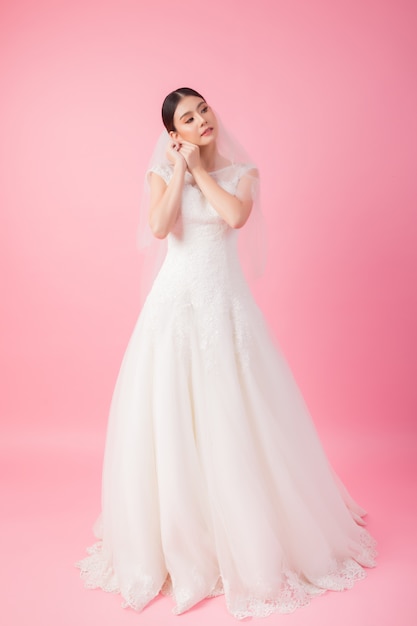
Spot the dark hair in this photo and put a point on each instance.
(171, 102)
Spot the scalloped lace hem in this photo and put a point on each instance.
(293, 593)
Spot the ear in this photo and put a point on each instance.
(174, 135)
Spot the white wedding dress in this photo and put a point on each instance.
(214, 478)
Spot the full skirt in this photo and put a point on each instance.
(214, 478)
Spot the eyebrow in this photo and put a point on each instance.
(190, 112)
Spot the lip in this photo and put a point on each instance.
(208, 131)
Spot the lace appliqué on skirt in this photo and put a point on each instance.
(293, 592)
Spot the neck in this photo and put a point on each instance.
(209, 157)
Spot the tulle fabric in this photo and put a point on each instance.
(214, 478)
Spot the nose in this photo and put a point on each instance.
(202, 119)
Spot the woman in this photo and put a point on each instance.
(214, 479)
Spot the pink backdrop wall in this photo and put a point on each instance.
(322, 93)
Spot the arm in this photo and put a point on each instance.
(166, 200)
(234, 209)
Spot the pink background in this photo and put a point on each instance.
(323, 95)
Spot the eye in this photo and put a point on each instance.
(190, 119)
(204, 109)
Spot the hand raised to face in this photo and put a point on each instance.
(191, 153)
(173, 153)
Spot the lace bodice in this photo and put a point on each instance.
(202, 268)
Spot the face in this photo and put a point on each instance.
(194, 121)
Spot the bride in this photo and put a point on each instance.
(214, 479)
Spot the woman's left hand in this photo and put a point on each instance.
(191, 154)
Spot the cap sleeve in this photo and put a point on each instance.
(163, 170)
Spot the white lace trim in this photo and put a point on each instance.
(293, 593)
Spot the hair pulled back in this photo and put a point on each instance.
(171, 102)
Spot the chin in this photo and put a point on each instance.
(206, 141)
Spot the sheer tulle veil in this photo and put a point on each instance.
(252, 243)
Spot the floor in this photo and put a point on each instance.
(51, 482)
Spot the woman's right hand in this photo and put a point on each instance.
(173, 153)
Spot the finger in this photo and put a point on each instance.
(190, 147)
